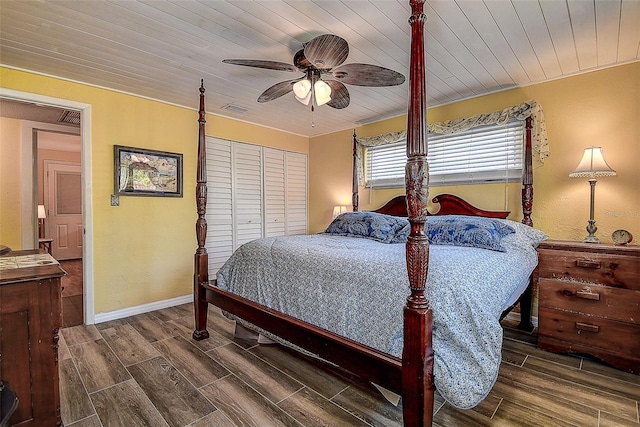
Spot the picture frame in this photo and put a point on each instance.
(144, 172)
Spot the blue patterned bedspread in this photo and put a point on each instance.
(358, 287)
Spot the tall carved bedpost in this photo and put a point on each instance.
(355, 200)
(201, 258)
(527, 207)
(527, 177)
(417, 357)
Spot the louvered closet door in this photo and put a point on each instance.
(274, 192)
(296, 193)
(247, 192)
(219, 203)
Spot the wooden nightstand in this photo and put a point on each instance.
(589, 301)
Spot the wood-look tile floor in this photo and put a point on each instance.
(72, 293)
(147, 371)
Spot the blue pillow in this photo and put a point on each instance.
(370, 225)
(470, 231)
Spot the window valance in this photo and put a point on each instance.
(539, 141)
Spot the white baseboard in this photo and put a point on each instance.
(144, 308)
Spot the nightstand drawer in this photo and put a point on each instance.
(615, 337)
(620, 271)
(594, 300)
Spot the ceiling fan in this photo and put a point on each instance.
(322, 56)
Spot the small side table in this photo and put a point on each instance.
(45, 244)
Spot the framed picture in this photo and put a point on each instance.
(141, 172)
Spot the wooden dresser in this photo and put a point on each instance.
(589, 301)
(30, 318)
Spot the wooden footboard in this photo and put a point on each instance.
(367, 363)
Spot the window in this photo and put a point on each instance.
(483, 154)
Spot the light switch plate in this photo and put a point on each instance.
(115, 200)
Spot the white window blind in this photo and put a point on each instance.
(483, 154)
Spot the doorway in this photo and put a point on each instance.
(60, 194)
(29, 185)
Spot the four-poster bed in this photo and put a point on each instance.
(410, 373)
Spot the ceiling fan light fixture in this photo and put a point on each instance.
(324, 54)
(302, 88)
(305, 100)
(322, 92)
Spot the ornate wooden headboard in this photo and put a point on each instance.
(449, 205)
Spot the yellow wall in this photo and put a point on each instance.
(143, 249)
(598, 108)
(10, 172)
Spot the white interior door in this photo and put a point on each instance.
(247, 192)
(219, 203)
(274, 192)
(296, 196)
(63, 203)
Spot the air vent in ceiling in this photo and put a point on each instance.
(235, 108)
(70, 117)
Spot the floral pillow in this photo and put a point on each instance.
(525, 234)
(370, 225)
(471, 231)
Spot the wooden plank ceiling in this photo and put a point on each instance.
(161, 49)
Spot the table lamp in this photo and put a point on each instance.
(338, 210)
(592, 166)
(42, 214)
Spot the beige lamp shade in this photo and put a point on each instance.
(41, 212)
(592, 165)
(322, 92)
(301, 88)
(337, 210)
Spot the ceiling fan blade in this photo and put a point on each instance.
(326, 51)
(339, 95)
(257, 63)
(367, 75)
(301, 61)
(277, 90)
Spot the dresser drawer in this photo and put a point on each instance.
(590, 299)
(613, 336)
(620, 271)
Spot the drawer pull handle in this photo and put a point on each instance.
(587, 328)
(587, 294)
(588, 263)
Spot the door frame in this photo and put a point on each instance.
(29, 199)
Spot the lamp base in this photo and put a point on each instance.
(591, 229)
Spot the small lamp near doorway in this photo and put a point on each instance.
(42, 214)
